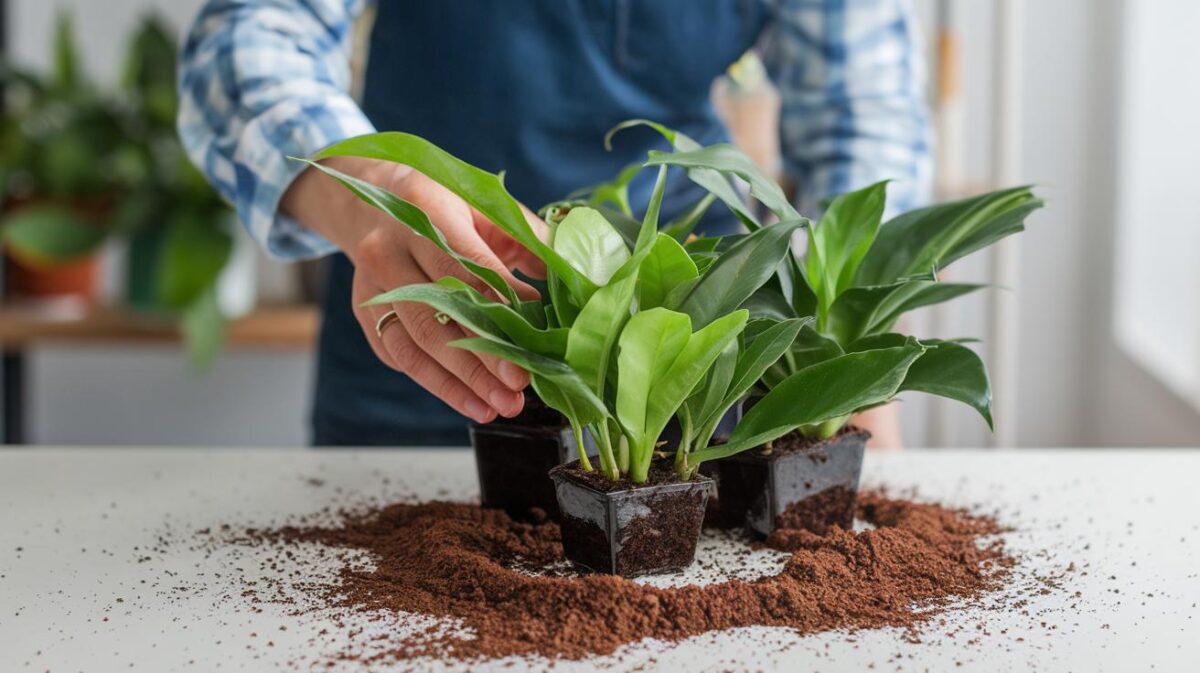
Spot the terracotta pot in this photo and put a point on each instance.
(76, 278)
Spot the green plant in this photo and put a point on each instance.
(78, 165)
(843, 299)
(633, 319)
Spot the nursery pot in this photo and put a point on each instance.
(622, 529)
(512, 457)
(798, 484)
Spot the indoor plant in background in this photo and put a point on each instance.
(79, 166)
(61, 172)
(629, 325)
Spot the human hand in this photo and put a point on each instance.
(386, 255)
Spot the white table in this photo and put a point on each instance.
(79, 514)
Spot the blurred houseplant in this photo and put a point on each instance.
(80, 166)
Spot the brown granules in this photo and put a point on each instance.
(458, 562)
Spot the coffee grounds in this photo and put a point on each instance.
(469, 567)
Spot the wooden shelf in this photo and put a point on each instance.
(270, 327)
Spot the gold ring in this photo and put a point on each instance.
(384, 321)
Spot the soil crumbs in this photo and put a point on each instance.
(455, 581)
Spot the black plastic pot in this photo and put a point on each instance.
(797, 485)
(512, 457)
(629, 530)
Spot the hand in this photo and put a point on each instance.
(387, 255)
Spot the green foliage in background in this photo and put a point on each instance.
(79, 165)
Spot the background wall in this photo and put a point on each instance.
(1076, 386)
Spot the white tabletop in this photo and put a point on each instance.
(72, 599)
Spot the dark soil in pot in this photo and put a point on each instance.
(620, 528)
(800, 483)
(513, 455)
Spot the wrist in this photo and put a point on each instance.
(321, 204)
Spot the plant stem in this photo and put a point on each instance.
(825, 429)
(622, 452)
(608, 463)
(639, 471)
(579, 446)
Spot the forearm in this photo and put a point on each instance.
(323, 206)
(853, 108)
(261, 80)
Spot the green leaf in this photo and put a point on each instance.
(861, 311)
(767, 302)
(711, 180)
(929, 239)
(946, 369)
(662, 367)
(557, 384)
(482, 190)
(487, 318)
(415, 219)
(590, 244)
(593, 337)
(682, 227)
(728, 160)
(613, 193)
(738, 273)
(50, 233)
(840, 240)
(194, 250)
(66, 61)
(203, 327)
(665, 268)
(830, 389)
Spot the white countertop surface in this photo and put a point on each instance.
(75, 525)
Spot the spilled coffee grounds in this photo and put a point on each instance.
(470, 566)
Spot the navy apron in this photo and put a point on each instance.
(528, 87)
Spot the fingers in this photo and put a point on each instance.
(433, 338)
(398, 350)
(511, 253)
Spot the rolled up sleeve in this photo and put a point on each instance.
(262, 80)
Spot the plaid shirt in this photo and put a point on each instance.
(264, 79)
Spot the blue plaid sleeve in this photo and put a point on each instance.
(261, 80)
(851, 77)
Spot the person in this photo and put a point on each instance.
(528, 87)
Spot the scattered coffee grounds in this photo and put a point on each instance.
(502, 581)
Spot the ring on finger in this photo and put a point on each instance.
(386, 320)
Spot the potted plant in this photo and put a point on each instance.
(632, 321)
(856, 279)
(78, 167)
(55, 206)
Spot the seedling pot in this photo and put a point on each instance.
(798, 484)
(512, 457)
(628, 530)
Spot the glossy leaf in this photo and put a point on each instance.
(491, 319)
(946, 369)
(728, 160)
(711, 180)
(929, 239)
(667, 267)
(868, 310)
(484, 191)
(682, 227)
(415, 219)
(557, 384)
(590, 244)
(840, 240)
(738, 273)
(592, 340)
(827, 390)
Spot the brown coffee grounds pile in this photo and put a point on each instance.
(457, 561)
